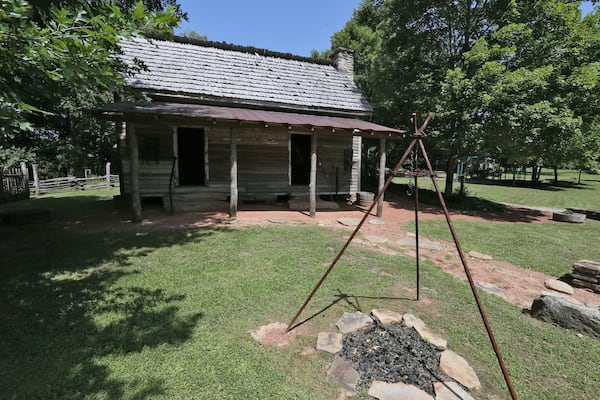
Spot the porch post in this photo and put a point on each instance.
(233, 193)
(313, 175)
(381, 175)
(134, 172)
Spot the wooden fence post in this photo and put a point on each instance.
(36, 179)
(25, 174)
(108, 175)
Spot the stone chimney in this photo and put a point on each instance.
(343, 61)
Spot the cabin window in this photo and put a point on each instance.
(190, 149)
(300, 159)
(150, 150)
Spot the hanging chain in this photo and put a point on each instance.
(411, 185)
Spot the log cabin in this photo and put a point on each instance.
(224, 124)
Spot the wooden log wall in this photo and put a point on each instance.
(263, 160)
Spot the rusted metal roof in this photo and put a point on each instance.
(126, 110)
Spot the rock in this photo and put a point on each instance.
(562, 296)
(411, 321)
(429, 336)
(376, 222)
(567, 314)
(343, 373)
(571, 217)
(397, 391)
(458, 368)
(450, 391)
(349, 221)
(480, 256)
(330, 342)
(489, 288)
(423, 244)
(587, 267)
(386, 316)
(275, 220)
(559, 286)
(376, 239)
(351, 322)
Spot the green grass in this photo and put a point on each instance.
(566, 194)
(550, 248)
(148, 313)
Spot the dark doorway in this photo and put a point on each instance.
(190, 149)
(300, 159)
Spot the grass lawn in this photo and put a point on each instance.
(566, 194)
(89, 313)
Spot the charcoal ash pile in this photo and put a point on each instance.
(394, 353)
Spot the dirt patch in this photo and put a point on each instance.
(275, 333)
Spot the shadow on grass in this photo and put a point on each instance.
(351, 300)
(473, 206)
(63, 313)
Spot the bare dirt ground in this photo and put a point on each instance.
(518, 285)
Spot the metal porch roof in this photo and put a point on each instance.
(127, 110)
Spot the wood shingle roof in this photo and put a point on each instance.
(242, 77)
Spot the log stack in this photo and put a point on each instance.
(586, 274)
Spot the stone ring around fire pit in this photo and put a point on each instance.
(398, 356)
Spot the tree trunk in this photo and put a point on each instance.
(555, 175)
(449, 177)
(579, 179)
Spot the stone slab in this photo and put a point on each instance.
(349, 221)
(330, 342)
(386, 316)
(275, 220)
(397, 391)
(376, 222)
(459, 369)
(411, 321)
(376, 239)
(559, 286)
(450, 391)
(489, 288)
(586, 278)
(587, 267)
(588, 285)
(423, 244)
(429, 336)
(343, 373)
(351, 322)
(480, 256)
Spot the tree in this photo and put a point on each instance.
(54, 57)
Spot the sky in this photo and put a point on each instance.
(289, 26)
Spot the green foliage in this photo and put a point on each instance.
(515, 80)
(57, 54)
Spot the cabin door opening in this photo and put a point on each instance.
(300, 159)
(190, 149)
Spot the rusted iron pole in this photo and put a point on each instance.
(469, 276)
(417, 228)
(360, 224)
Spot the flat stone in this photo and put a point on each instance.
(275, 220)
(450, 391)
(330, 342)
(411, 321)
(480, 256)
(423, 244)
(386, 316)
(411, 234)
(489, 288)
(343, 373)
(351, 322)
(562, 296)
(429, 336)
(587, 267)
(376, 239)
(567, 314)
(559, 286)
(458, 368)
(376, 222)
(349, 221)
(397, 391)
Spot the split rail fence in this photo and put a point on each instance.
(17, 186)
